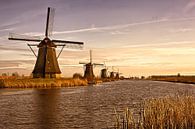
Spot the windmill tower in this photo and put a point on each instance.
(89, 68)
(117, 74)
(112, 75)
(104, 71)
(46, 64)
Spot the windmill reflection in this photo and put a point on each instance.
(47, 101)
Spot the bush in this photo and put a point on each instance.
(77, 75)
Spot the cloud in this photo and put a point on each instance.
(113, 28)
(6, 68)
(159, 44)
(93, 28)
(181, 30)
(9, 26)
(8, 48)
(7, 29)
(190, 6)
(118, 32)
(122, 26)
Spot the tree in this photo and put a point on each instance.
(77, 75)
(15, 74)
(4, 74)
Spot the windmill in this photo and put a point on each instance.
(104, 71)
(89, 68)
(117, 74)
(46, 61)
(113, 74)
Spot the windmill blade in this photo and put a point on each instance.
(50, 21)
(97, 64)
(74, 46)
(13, 36)
(70, 46)
(83, 63)
(90, 56)
(68, 42)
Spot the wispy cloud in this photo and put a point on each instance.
(7, 29)
(104, 28)
(4, 68)
(9, 26)
(122, 26)
(12, 48)
(159, 44)
(113, 28)
(181, 30)
(189, 6)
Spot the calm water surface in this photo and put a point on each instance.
(89, 107)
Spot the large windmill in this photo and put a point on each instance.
(46, 64)
(89, 68)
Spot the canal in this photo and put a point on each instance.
(90, 107)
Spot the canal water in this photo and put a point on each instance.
(90, 107)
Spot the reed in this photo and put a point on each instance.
(163, 113)
(41, 83)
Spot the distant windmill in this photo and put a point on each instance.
(118, 74)
(46, 64)
(89, 68)
(104, 71)
(114, 74)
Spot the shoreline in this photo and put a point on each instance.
(48, 82)
(41, 83)
(175, 79)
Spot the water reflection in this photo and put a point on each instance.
(47, 101)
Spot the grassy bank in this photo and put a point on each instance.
(180, 79)
(41, 83)
(163, 113)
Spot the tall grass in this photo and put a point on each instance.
(41, 83)
(164, 113)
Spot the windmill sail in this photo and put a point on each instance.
(67, 42)
(13, 36)
(50, 21)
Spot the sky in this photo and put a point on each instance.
(138, 37)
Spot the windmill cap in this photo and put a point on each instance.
(46, 42)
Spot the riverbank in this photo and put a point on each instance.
(176, 79)
(41, 83)
(160, 113)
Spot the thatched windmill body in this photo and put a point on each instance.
(46, 64)
(88, 72)
(104, 71)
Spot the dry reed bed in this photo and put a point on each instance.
(163, 113)
(41, 83)
(182, 79)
